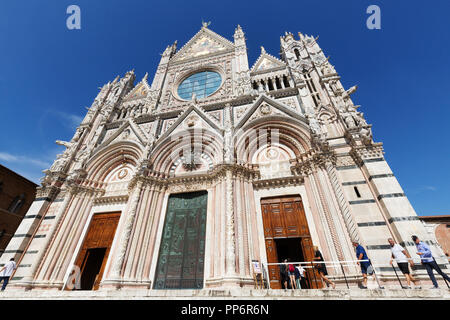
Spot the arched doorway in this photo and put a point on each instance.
(287, 236)
(182, 251)
(95, 250)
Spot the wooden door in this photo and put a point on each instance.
(272, 257)
(284, 217)
(311, 274)
(97, 245)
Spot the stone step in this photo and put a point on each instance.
(235, 293)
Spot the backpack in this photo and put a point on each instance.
(291, 268)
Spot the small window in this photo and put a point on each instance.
(357, 192)
(286, 82)
(297, 53)
(270, 84)
(278, 83)
(17, 203)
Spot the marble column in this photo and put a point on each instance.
(125, 233)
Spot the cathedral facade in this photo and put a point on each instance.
(185, 182)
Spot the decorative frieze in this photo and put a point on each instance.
(278, 182)
(345, 161)
(308, 162)
(360, 154)
(111, 199)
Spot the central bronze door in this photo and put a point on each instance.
(182, 250)
(284, 218)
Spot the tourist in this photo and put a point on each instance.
(6, 272)
(299, 275)
(428, 261)
(321, 268)
(291, 273)
(401, 256)
(284, 274)
(365, 263)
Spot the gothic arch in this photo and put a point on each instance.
(109, 158)
(292, 134)
(172, 148)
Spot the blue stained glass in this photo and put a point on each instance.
(203, 84)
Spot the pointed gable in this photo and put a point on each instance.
(129, 131)
(265, 106)
(203, 43)
(267, 62)
(193, 117)
(140, 91)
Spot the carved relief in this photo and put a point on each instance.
(345, 161)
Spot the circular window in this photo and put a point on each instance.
(203, 84)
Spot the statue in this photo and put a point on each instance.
(66, 144)
(77, 135)
(351, 91)
(349, 121)
(194, 99)
(46, 180)
(366, 136)
(59, 163)
(314, 125)
(70, 146)
(228, 142)
(81, 158)
(290, 56)
(360, 119)
(328, 69)
(334, 87)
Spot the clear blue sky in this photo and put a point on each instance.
(48, 74)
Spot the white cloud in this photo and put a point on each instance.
(72, 120)
(7, 157)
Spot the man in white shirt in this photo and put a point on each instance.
(301, 274)
(401, 256)
(6, 272)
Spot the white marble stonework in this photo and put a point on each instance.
(285, 126)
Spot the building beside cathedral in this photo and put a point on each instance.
(183, 182)
(16, 195)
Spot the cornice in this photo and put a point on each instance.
(203, 57)
(280, 68)
(364, 153)
(311, 160)
(218, 172)
(279, 182)
(111, 199)
(281, 93)
(49, 192)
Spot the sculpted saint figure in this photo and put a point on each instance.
(59, 163)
